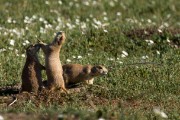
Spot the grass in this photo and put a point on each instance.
(99, 31)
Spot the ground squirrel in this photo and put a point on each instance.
(31, 73)
(52, 62)
(76, 73)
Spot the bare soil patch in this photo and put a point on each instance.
(152, 32)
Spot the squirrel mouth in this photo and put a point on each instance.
(105, 73)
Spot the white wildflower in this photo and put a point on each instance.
(41, 19)
(125, 53)
(9, 20)
(150, 42)
(1, 117)
(94, 2)
(16, 51)
(105, 24)
(42, 30)
(77, 21)
(168, 15)
(26, 28)
(83, 25)
(83, 33)
(10, 48)
(5, 33)
(12, 42)
(91, 16)
(47, 2)
(159, 112)
(110, 59)
(68, 60)
(23, 55)
(123, 56)
(145, 57)
(34, 17)
(60, 2)
(149, 20)
(58, 28)
(73, 56)
(69, 25)
(120, 62)
(89, 54)
(2, 50)
(105, 31)
(14, 21)
(27, 20)
(79, 57)
(48, 26)
(26, 17)
(87, 20)
(163, 115)
(159, 30)
(168, 40)
(111, 3)
(97, 22)
(61, 116)
(145, 32)
(157, 52)
(105, 18)
(95, 26)
(90, 49)
(118, 13)
(104, 13)
(166, 24)
(86, 3)
(27, 42)
(101, 118)
(71, 3)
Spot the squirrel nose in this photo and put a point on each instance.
(105, 72)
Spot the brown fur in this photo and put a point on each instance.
(76, 73)
(31, 74)
(52, 62)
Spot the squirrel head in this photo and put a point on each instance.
(59, 38)
(98, 70)
(32, 50)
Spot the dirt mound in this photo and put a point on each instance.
(152, 32)
(46, 97)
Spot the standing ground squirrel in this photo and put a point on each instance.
(31, 74)
(76, 73)
(52, 62)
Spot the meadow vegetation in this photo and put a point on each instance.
(137, 40)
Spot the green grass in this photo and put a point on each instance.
(95, 32)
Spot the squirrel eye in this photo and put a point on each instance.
(99, 67)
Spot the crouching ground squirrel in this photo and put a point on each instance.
(31, 73)
(52, 62)
(76, 73)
